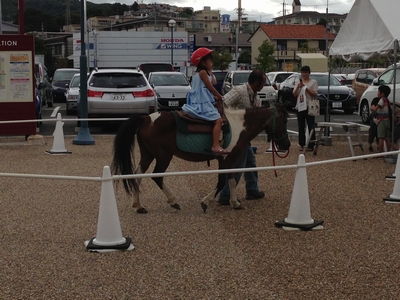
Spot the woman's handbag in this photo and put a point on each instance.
(313, 107)
(301, 104)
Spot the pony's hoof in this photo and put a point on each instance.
(142, 210)
(204, 206)
(239, 207)
(176, 206)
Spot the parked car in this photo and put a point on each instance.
(386, 78)
(118, 93)
(42, 78)
(219, 76)
(345, 79)
(233, 78)
(146, 68)
(72, 94)
(277, 77)
(363, 79)
(60, 81)
(340, 96)
(171, 89)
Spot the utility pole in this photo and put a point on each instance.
(1, 20)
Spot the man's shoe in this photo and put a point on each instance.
(254, 195)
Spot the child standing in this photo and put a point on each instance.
(200, 100)
(373, 130)
(383, 117)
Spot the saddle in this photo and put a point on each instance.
(187, 123)
(195, 135)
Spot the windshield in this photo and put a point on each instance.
(169, 80)
(117, 80)
(75, 81)
(64, 75)
(322, 80)
(220, 76)
(240, 78)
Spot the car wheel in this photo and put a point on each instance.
(364, 112)
(348, 111)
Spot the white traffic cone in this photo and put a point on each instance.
(395, 197)
(299, 212)
(58, 141)
(397, 170)
(109, 236)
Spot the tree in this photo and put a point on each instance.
(135, 6)
(245, 57)
(221, 59)
(266, 59)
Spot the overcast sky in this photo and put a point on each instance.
(263, 10)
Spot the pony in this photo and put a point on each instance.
(156, 136)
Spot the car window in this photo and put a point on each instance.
(281, 77)
(75, 81)
(370, 77)
(220, 76)
(240, 78)
(386, 77)
(64, 75)
(169, 80)
(361, 77)
(117, 80)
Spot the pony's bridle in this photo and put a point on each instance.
(273, 143)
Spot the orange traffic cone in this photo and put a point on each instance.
(299, 212)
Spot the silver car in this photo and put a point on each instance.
(171, 89)
(119, 93)
(72, 94)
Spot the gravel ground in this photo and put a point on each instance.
(186, 254)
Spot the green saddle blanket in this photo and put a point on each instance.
(194, 142)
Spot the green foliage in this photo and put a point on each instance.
(266, 59)
(305, 48)
(186, 13)
(322, 22)
(221, 59)
(338, 64)
(245, 57)
(52, 12)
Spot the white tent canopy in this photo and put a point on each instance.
(370, 29)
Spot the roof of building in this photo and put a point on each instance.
(310, 13)
(9, 27)
(295, 32)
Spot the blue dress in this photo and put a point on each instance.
(200, 101)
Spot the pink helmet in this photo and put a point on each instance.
(199, 54)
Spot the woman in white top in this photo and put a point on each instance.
(310, 87)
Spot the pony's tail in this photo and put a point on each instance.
(123, 159)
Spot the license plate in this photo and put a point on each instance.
(336, 104)
(117, 96)
(173, 103)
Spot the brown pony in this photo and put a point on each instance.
(156, 137)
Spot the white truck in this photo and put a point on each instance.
(127, 49)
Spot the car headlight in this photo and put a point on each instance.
(352, 92)
(271, 95)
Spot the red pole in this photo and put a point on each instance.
(21, 16)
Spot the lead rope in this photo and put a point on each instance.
(274, 148)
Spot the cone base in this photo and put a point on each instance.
(391, 200)
(92, 246)
(58, 152)
(390, 177)
(290, 226)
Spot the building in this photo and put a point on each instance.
(290, 40)
(298, 17)
(9, 28)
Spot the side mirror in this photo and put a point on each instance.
(376, 81)
(152, 85)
